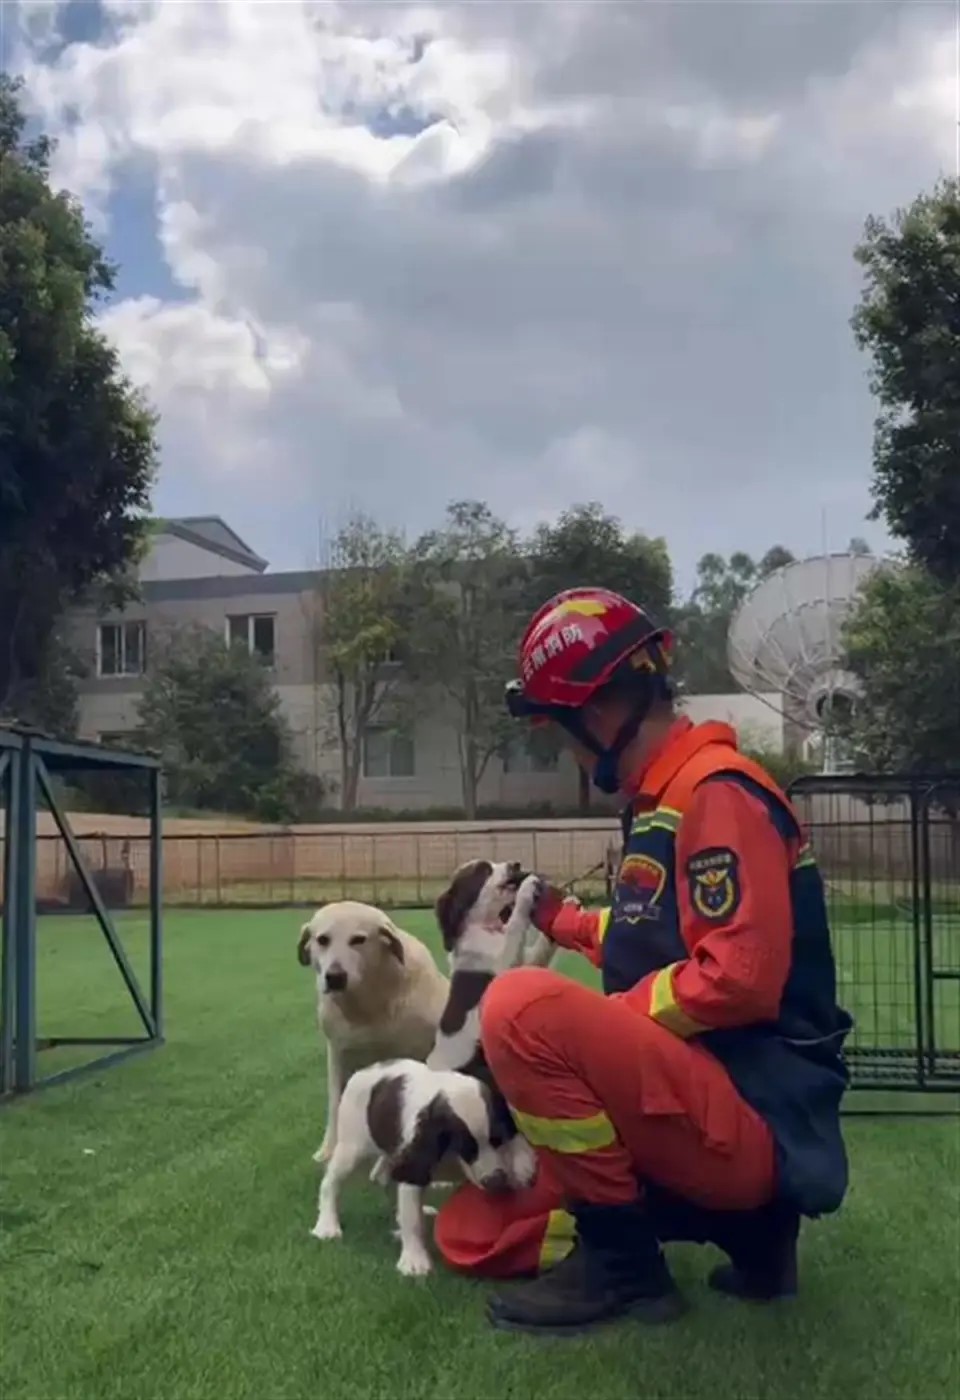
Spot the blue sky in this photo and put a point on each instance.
(131, 238)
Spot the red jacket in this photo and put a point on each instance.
(735, 969)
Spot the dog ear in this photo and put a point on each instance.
(434, 1135)
(458, 899)
(448, 916)
(303, 955)
(500, 1119)
(392, 943)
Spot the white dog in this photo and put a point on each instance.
(484, 917)
(410, 1118)
(380, 995)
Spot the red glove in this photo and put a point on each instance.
(550, 900)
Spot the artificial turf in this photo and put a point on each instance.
(155, 1223)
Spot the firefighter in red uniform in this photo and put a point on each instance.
(699, 1097)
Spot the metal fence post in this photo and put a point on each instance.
(11, 912)
(25, 925)
(916, 912)
(156, 901)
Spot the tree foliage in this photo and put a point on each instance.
(586, 546)
(365, 615)
(213, 715)
(76, 443)
(471, 609)
(702, 623)
(908, 320)
(903, 642)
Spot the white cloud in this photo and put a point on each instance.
(614, 260)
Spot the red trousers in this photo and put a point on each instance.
(610, 1099)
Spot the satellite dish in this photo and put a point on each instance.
(786, 636)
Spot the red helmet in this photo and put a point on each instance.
(576, 643)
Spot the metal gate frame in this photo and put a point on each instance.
(937, 1064)
(928, 1066)
(28, 762)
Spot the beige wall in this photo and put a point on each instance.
(173, 558)
(294, 629)
(758, 719)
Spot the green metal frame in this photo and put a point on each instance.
(27, 763)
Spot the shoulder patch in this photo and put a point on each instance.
(640, 885)
(713, 880)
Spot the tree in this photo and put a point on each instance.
(212, 714)
(586, 546)
(703, 622)
(363, 631)
(908, 320)
(903, 642)
(470, 575)
(77, 451)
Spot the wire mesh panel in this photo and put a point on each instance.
(396, 866)
(889, 851)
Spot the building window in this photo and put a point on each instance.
(255, 632)
(122, 648)
(388, 753)
(519, 757)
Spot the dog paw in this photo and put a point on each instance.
(324, 1152)
(414, 1263)
(326, 1229)
(528, 894)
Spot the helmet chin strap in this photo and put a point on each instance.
(606, 770)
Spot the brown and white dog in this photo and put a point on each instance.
(380, 995)
(410, 1118)
(484, 918)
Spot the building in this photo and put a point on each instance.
(199, 571)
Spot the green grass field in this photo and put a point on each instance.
(155, 1224)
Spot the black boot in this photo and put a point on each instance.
(615, 1267)
(762, 1245)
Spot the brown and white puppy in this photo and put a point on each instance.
(484, 917)
(410, 1118)
(380, 994)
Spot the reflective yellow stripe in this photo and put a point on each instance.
(667, 1011)
(557, 1239)
(568, 1135)
(663, 819)
(603, 924)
